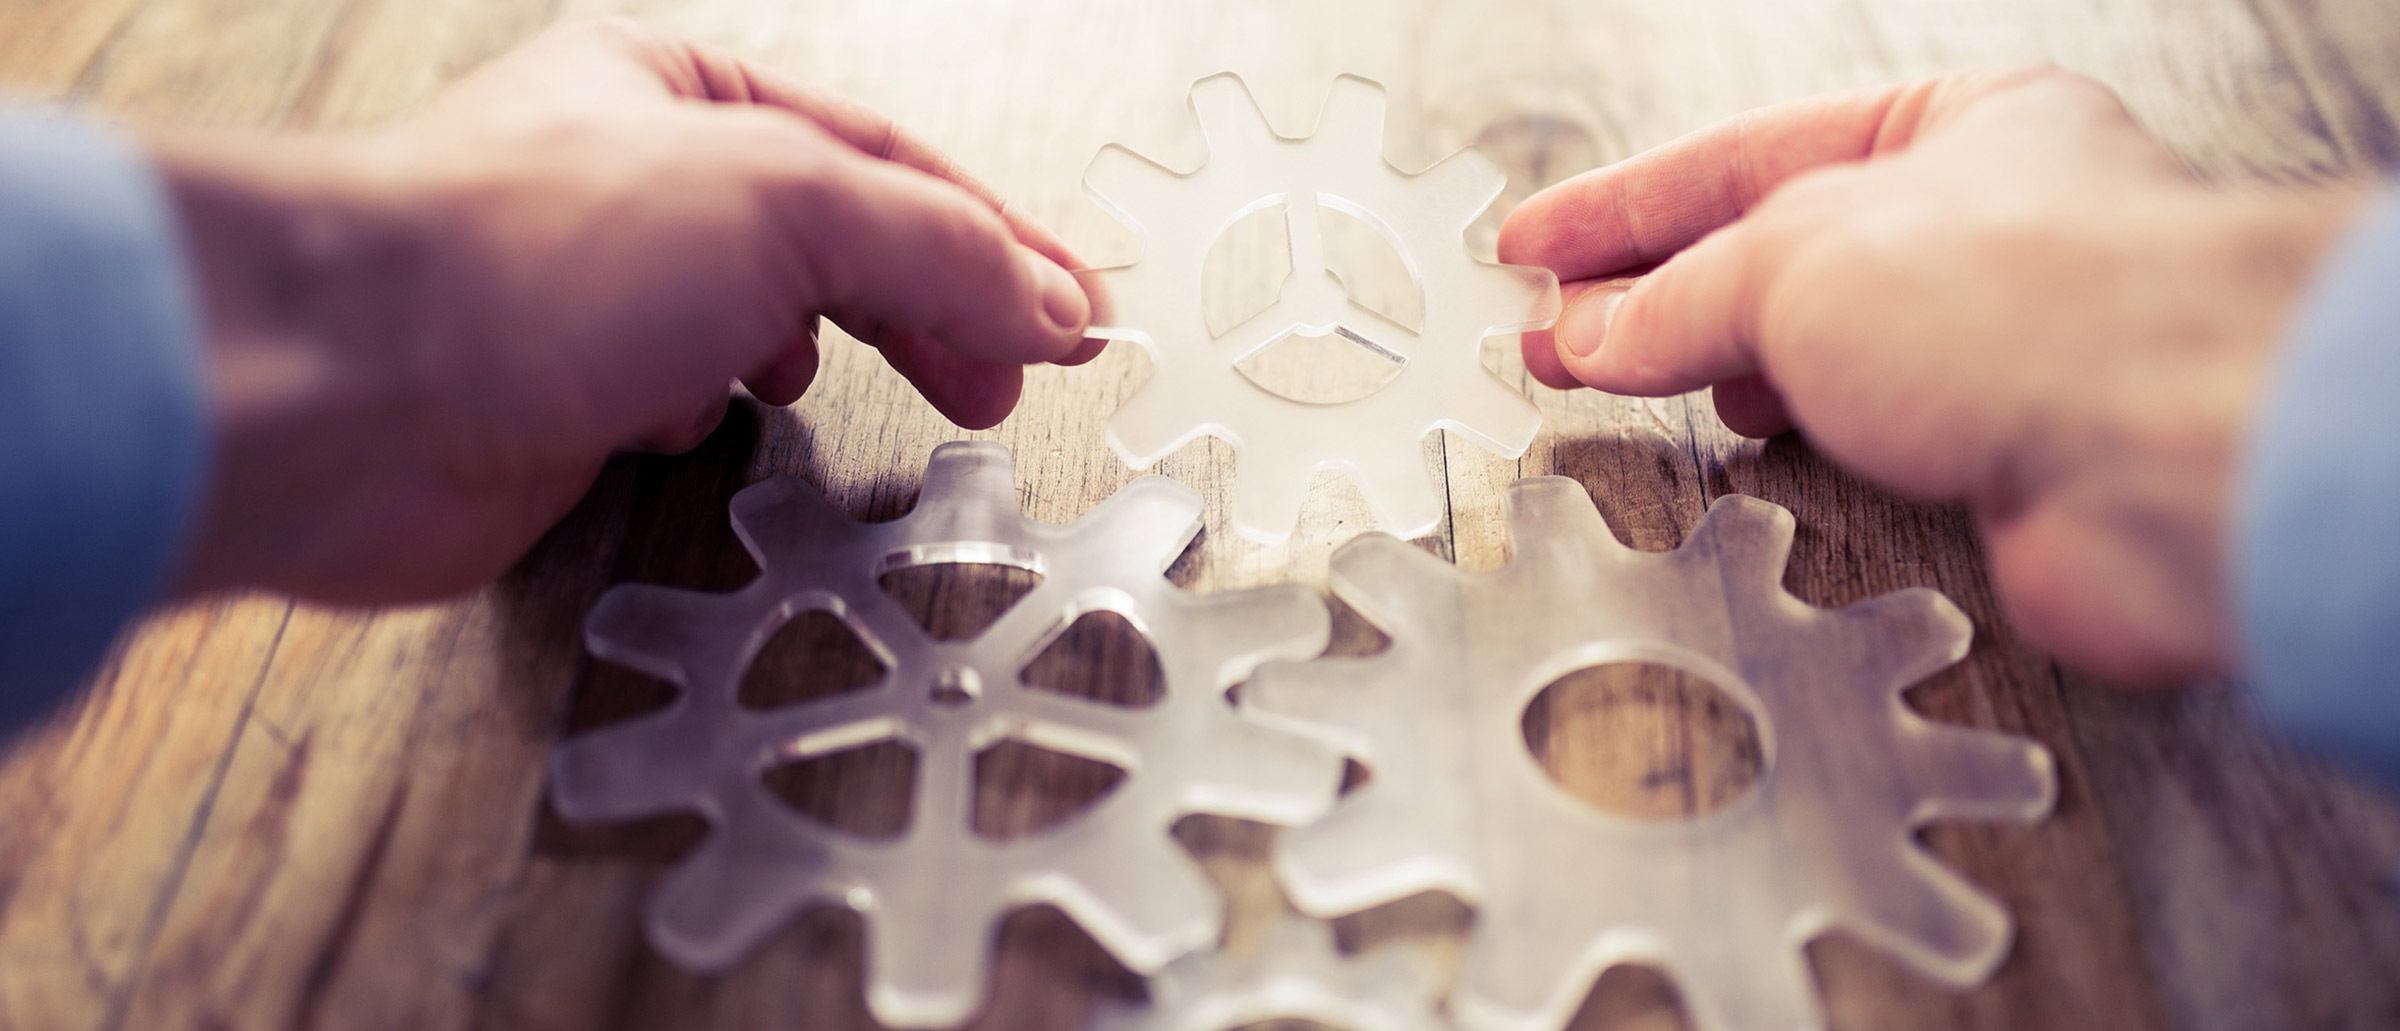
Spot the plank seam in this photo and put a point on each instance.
(121, 999)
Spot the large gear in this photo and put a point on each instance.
(932, 894)
(1197, 389)
(1723, 903)
(1297, 972)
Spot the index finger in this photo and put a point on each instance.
(721, 77)
(1641, 211)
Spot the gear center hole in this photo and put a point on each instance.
(1646, 741)
(1250, 267)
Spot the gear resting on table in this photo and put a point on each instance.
(933, 895)
(1723, 903)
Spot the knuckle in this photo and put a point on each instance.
(807, 180)
(2054, 88)
(616, 30)
(974, 236)
(1825, 185)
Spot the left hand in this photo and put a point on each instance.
(427, 337)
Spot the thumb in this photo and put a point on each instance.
(1689, 323)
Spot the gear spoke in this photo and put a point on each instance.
(1077, 726)
(828, 725)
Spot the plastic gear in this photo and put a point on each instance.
(1723, 903)
(932, 894)
(1298, 972)
(1197, 389)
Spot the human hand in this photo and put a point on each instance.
(1993, 289)
(427, 337)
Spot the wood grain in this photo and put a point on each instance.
(267, 816)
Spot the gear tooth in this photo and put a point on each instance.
(1769, 985)
(1297, 973)
(969, 494)
(1151, 425)
(1175, 912)
(1319, 698)
(1904, 636)
(1231, 121)
(1519, 991)
(1341, 864)
(1512, 298)
(1460, 187)
(1263, 623)
(1352, 118)
(1493, 417)
(710, 911)
(627, 771)
(927, 968)
(1933, 919)
(1964, 773)
(1894, 638)
(1153, 512)
(1272, 775)
(1750, 538)
(1400, 491)
(666, 632)
(1115, 300)
(783, 512)
(1552, 521)
(1268, 494)
(1395, 585)
(969, 469)
(1121, 1015)
(1134, 188)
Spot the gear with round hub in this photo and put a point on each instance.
(932, 895)
(1199, 388)
(1723, 903)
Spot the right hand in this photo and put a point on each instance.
(1992, 289)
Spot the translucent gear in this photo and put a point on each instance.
(1723, 903)
(931, 895)
(1197, 389)
(1298, 972)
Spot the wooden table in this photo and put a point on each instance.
(268, 814)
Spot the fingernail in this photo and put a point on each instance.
(1585, 322)
(1063, 302)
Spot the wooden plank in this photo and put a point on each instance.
(353, 832)
(103, 807)
(2263, 881)
(2340, 53)
(365, 843)
(212, 62)
(50, 43)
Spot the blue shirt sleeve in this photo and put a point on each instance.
(104, 433)
(2317, 519)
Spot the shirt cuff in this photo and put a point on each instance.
(2317, 566)
(102, 400)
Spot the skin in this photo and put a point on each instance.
(1991, 289)
(426, 338)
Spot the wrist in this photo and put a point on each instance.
(2128, 492)
(302, 268)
